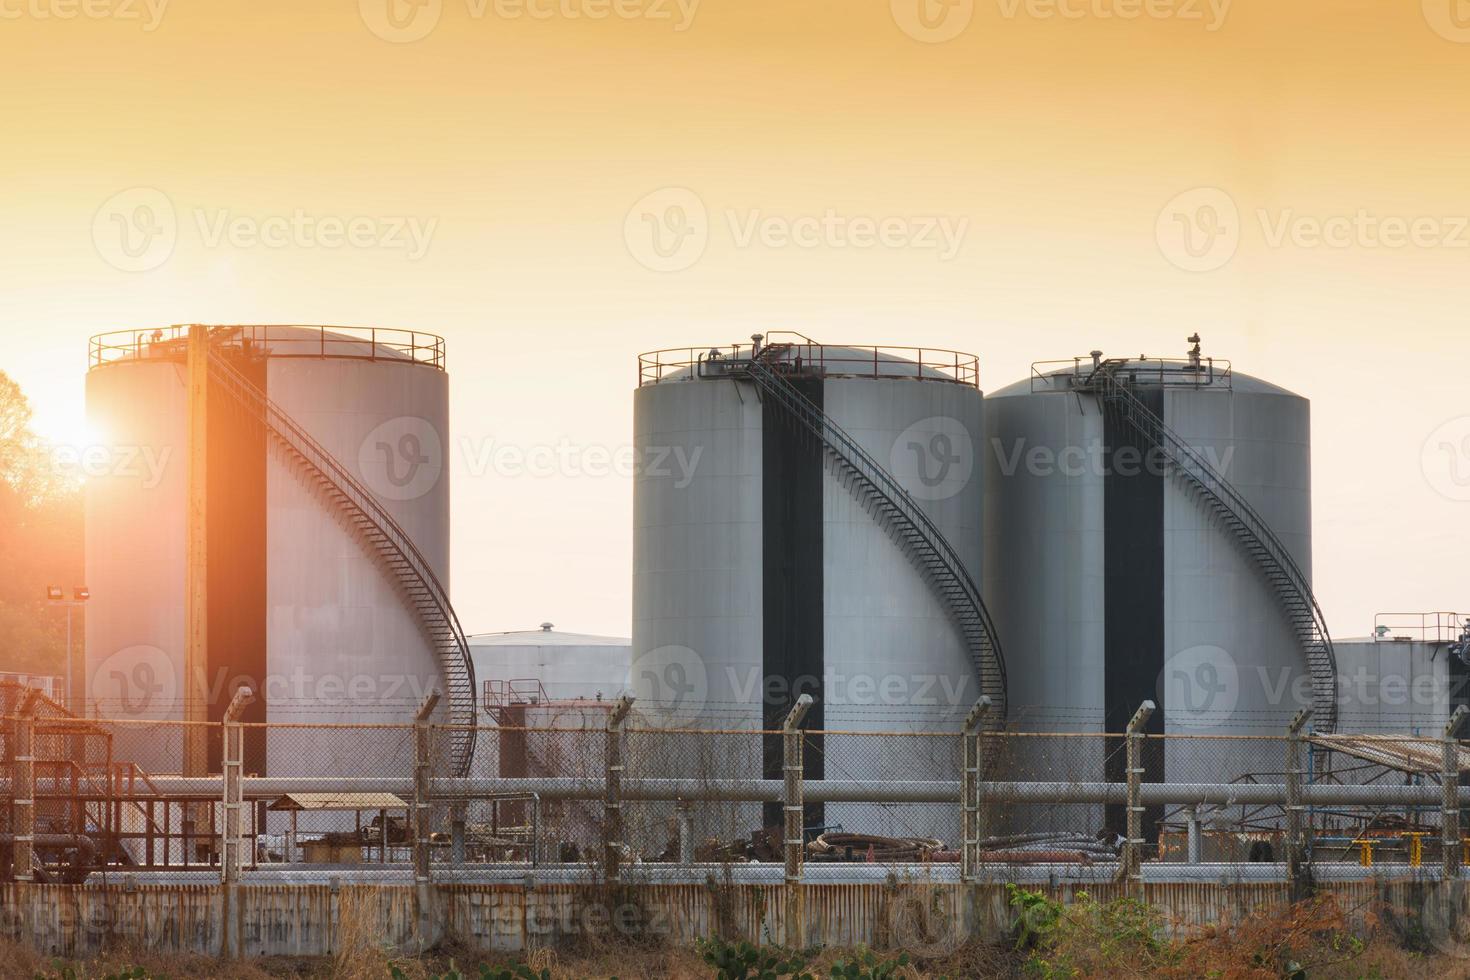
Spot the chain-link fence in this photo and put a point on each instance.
(596, 793)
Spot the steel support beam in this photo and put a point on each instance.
(1295, 844)
(422, 829)
(972, 831)
(22, 855)
(612, 792)
(794, 831)
(1450, 841)
(1133, 846)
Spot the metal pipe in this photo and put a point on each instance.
(80, 842)
(817, 790)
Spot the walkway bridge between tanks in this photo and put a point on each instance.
(771, 368)
(388, 542)
(1111, 380)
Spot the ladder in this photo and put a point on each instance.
(892, 506)
(394, 550)
(1268, 553)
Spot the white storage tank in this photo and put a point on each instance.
(793, 503)
(328, 538)
(1125, 581)
(567, 666)
(1407, 678)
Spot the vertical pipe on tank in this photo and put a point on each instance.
(196, 644)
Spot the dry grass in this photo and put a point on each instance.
(1383, 959)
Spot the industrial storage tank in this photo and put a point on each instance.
(1407, 678)
(807, 520)
(566, 666)
(546, 696)
(327, 528)
(1148, 536)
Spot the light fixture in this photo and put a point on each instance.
(55, 593)
(81, 593)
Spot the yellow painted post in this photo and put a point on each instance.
(1365, 852)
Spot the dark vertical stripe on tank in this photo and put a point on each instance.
(1133, 520)
(237, 561)
(792, 607)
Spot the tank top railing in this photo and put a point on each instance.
(1277, 566)
(412, 573)
(905, 519)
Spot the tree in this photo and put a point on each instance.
(41, 541)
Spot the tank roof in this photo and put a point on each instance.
(1050, 377)
(274, 340)
(829, 360)
(546, 638)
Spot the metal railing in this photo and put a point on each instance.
(277, 340)
(911, 527)
(415, 576)
(1432, 627)
(1062, 376)
(1112, 382)
(519, 690)
(829, 360)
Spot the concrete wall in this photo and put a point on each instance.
(913, 914)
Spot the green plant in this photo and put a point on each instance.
(518, 972)
(1036, 916)
(744, 961)
(865, 965)
(1089, 938)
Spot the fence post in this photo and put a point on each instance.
(794, 771)
(612, 798)
(22, 854)
(1294, 842)
(970, 794)
(1450, 779)
(423, 773)
(232, 756)
(1133, 846)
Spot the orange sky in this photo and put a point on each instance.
(518, 145)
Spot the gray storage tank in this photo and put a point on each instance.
(1149, 537)
(807, 520)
